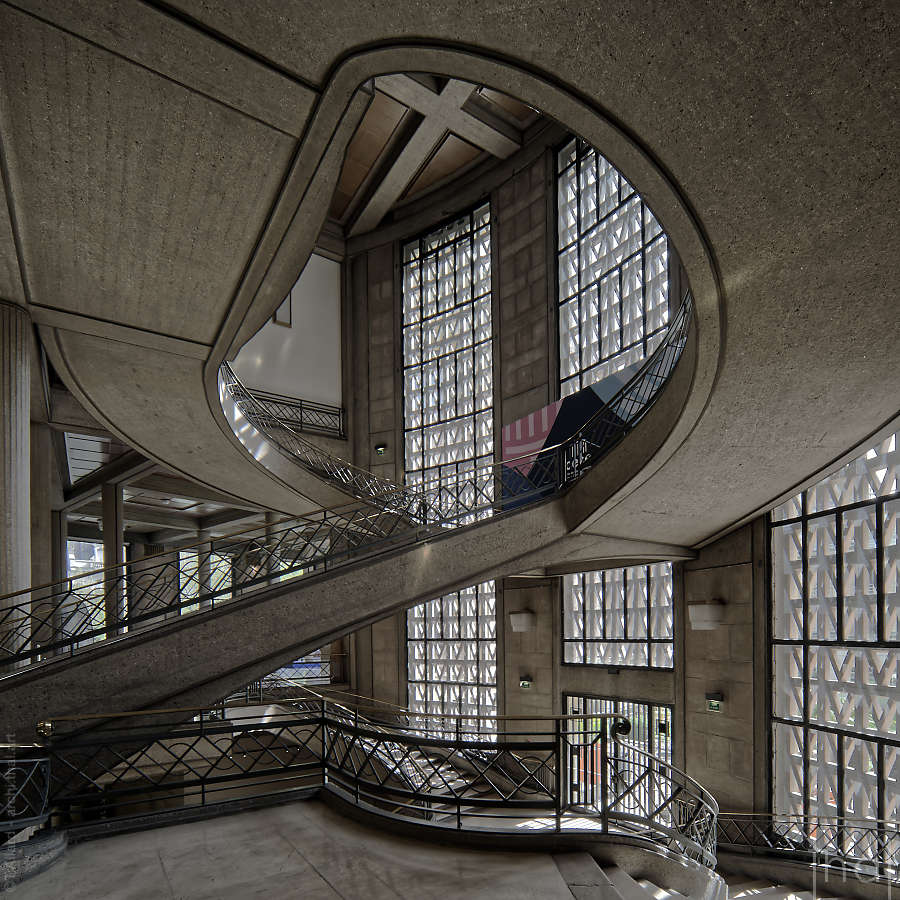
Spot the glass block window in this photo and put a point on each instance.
(612, 269)
(619, 617)
(448, 416)
(836, 642)
(651, 723)
(452, 656)
(188, 579)
(83, 558)
(448, 425)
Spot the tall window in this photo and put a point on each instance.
(836, 636)
(619, 617)
(612, 267)
(448, 416)
(448, 425)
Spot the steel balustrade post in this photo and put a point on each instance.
(604, 775)
(561, 781)
(324, 742)
(356, 737)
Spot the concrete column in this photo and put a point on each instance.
(15, 464)
(59, 553)
(42, 595)
(271, 562)
(15, 448)
(41, 503)
(204, 569)
(113, 552)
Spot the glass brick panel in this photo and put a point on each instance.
(834, 548)
(449, 443)
(606, 616)
(612, 270)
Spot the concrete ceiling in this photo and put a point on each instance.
(418, 133)
(168, 169)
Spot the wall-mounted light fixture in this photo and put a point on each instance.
(380, 449)
(523, 620)
(706, 615)
(714, 700)
(525, 682)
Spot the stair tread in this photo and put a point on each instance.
(657, 892)
(736, 888)
(584, 878)
(580, 868)
(625, 884)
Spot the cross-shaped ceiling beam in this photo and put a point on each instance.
(441, 113)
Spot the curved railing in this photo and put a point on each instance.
(510, 775)
(26, 783)
(42, 622)
(518, 479)
(865, 848)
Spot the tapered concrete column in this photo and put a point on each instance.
(15, 466)
(113, 551)
(271, 562)
(58, 549)
(15, 448)
(204, 567)
(42, 594)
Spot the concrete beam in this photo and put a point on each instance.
(182, 487)
(67, 414)
(118, 471)
(442, 112)
(404, 168)
(447, 107)
(135, 514)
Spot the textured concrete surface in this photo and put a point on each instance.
(759, 135)
(301, 850)
(15, 448)
(720, 746)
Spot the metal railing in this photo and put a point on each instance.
(868, 848)
(26, 785)
(44, 622)
(278, 412)
(494, 774)
(550, 470)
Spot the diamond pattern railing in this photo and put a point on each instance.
(300, 415)
(458, 502)
(44, 622)
(868, 848)
(507, 777)
(26, 784)
(635, 792)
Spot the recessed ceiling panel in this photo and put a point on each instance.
(138, 201)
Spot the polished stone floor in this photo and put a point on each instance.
(302, 850)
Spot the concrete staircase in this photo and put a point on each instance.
(742, 888)
(588, 880)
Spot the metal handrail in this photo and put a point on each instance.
(622, 411)
(512, 781)
(870, 847)
(306, 415)
(113, 603)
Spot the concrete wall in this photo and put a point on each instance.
(530, 653)
(378, 660)
(726, 751)
(523, 361)
(525, 328)
(304, 360)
